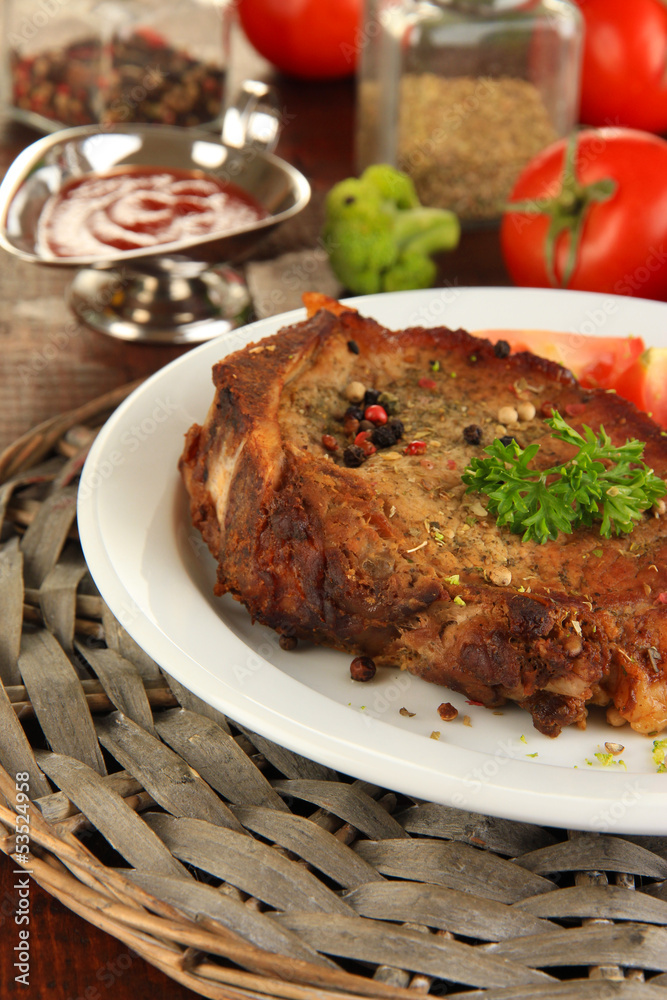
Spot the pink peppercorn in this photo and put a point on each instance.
(415, 448)
(362, 440)
(376, 414)
(329, 442)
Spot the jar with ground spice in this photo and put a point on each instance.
(81, 62)
(461, 94)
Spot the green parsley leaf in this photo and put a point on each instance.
(602, 482)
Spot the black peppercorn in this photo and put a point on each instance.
(501, 349)
(354, 411)
(507, 439)
(353, 347)
(354, 456)
(371, 397)
(397, 427)
(472, 434)
(362, 668)
(383, 436)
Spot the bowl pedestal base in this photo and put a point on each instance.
(182, 305)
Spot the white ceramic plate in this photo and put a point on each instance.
(156, 576)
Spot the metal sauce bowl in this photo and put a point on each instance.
(181, 292)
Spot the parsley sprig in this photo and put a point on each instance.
(602, 482)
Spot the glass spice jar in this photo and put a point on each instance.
(80, 62)
(461, 94)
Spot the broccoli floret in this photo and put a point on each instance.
(378, 236)
(411, 271)
(393, 185)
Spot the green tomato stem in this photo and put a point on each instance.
(568, 211)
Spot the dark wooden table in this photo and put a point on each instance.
(41, 377)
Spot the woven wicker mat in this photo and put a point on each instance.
(238, 867)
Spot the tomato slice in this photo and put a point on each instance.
(645, 384)
(598, 362)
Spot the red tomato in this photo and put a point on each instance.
(311, 39)
(645, 384)
(598, 362)
(624, 79)
(623, 240)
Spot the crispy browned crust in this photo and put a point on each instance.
(317, 550)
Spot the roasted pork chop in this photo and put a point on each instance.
(392, 559)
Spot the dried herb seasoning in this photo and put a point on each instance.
(469, 160)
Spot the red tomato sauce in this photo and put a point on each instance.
(137, 208)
